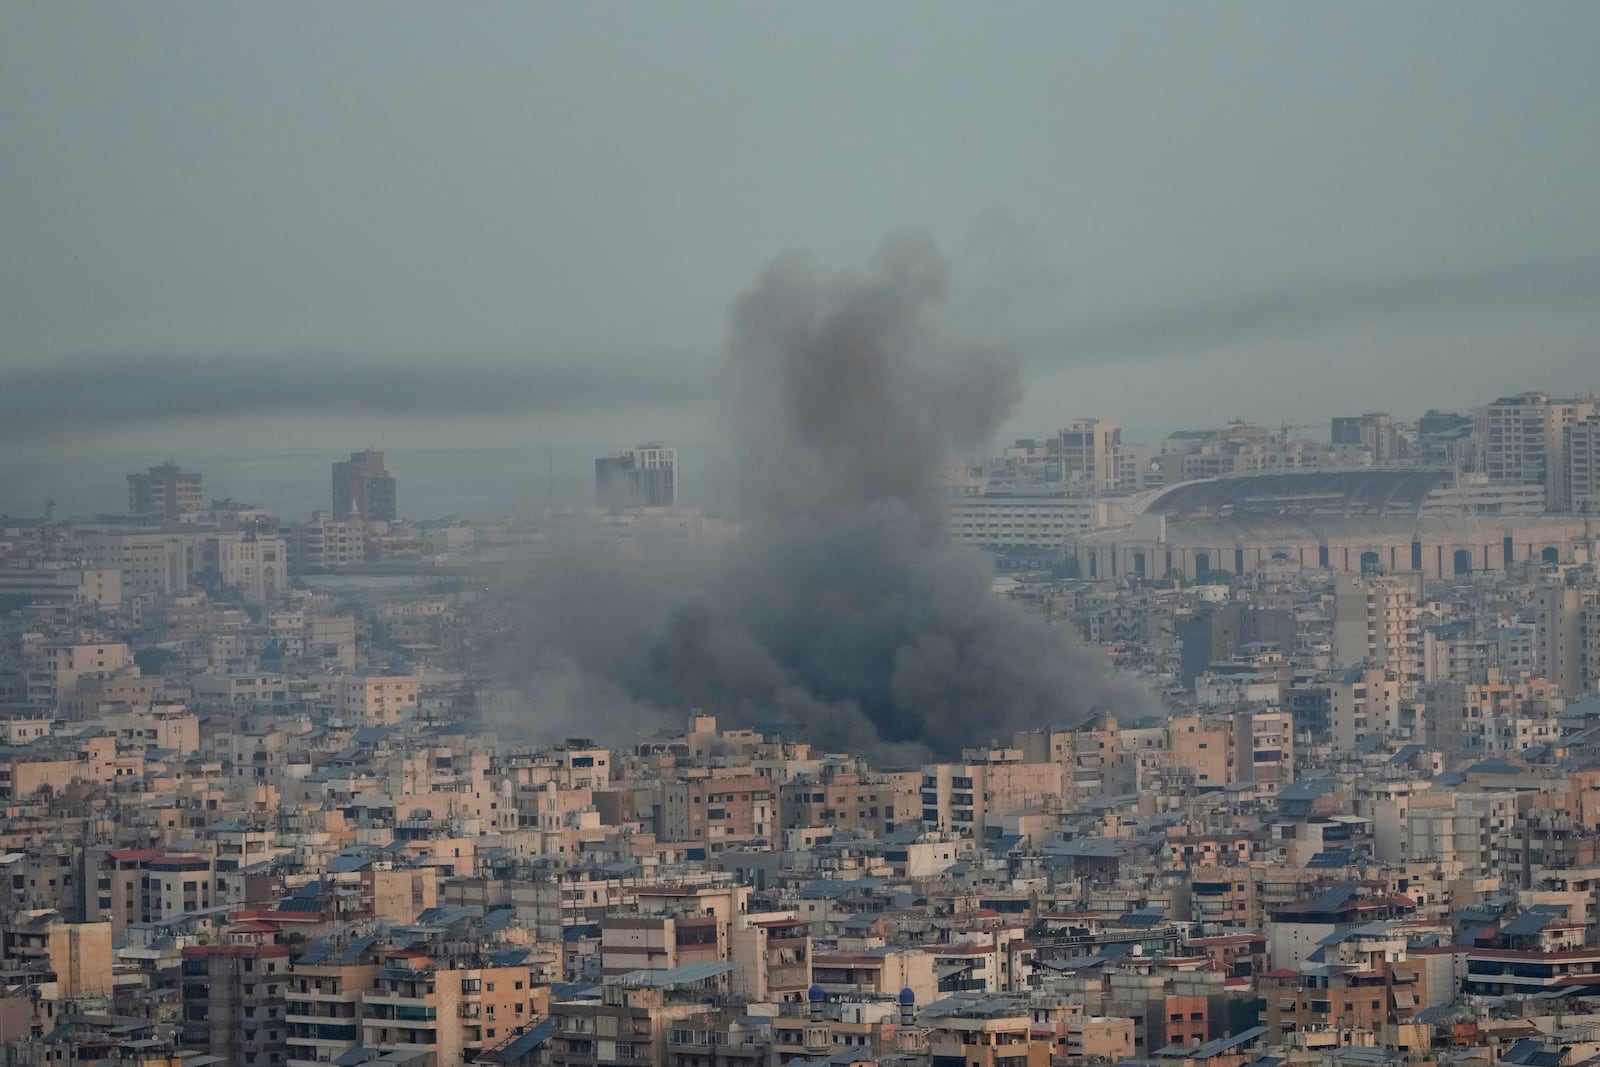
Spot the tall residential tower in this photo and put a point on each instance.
(642, 477)
(362, 486)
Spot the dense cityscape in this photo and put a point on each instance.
(274, 797)
(708, 534)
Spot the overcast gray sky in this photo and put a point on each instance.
(1274, 210)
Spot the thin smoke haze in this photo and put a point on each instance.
(92, 397)
(1314, 306)
(97, 395)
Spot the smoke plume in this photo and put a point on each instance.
(842, 611)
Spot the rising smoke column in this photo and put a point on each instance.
(843, 607)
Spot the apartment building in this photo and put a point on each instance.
(1369, 984)
(1367, 702)
(100, 587)
(632, 1020)
(324, 541)
(1375, 622)
(130, 886)
(324, 998)
(642, 477)
(374, 699)
(1263, 750)
(1583, 465)
(850, 797)
(53, 668)
(452, 1007)
(238, 691)
(1567, 620)
(233, 1002)
(1526, 440)
(718, 807)
(51, 765)
(363, 488)
(73, 958)
(958, 797)
(166, 492)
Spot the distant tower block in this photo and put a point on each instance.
(642, 477)
(363, 487)
(165, 492)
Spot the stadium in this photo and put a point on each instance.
(1347, 521)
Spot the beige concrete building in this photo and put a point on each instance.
(1363, 703)
(325, 541)
(1525, 440)
(127, 886)
(165, 726)
(1567, 621)
(1201, 748)
(54, 766)
(958, 797)
(169, 563)
(1263, 750)
(323, 1000)
(74, 958)
(239, 690)
(1375, 623)
(1026, 517)
(850, 797)
(1583, 465)
(53, 668)
(719, 807)
(447, 1007)
(1461, 718)
(375, 699)
(100, 587)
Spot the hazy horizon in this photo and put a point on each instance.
(1160, 209)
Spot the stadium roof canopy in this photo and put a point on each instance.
(1372, 493)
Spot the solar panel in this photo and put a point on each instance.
(1334, 857)
(532, 1038)
(1142, 917)
(1525, 925)
(317, 951)
(301, 904)
(355, 948)
(1333, 898)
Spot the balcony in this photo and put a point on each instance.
(379, 1000)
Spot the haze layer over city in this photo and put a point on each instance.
(703, 535)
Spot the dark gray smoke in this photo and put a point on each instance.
(1320, 305)
(842, 611)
